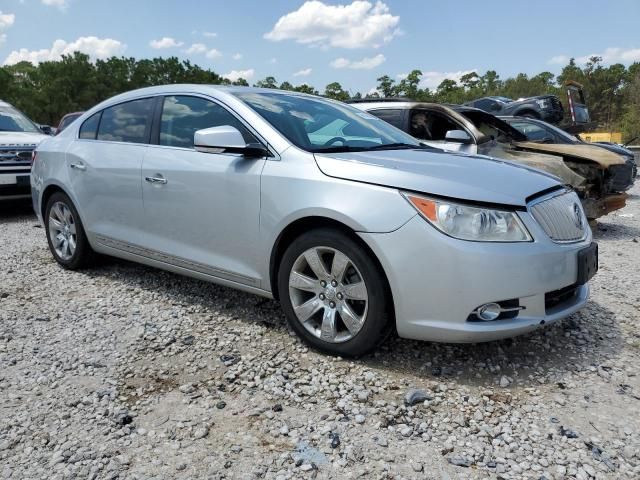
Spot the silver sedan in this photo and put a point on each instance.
(354, 226)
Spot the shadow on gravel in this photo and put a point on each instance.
(11, 210)
(577, 343)
(615, 231)
(580, 342)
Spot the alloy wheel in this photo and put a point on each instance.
(328, 294)
(62, 230)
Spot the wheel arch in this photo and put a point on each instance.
(527, 111)
(46, 195)
(304, 224)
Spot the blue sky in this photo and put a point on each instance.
(318, 42)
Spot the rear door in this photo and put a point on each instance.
(104, 166)
(201, 210)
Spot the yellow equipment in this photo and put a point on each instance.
(614, 137)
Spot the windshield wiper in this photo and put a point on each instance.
(398, 146)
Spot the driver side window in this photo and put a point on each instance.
(183, 115)
(427, 125)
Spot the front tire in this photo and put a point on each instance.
(65, 233)
(333, 293)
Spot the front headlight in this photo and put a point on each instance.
(542, 103)
(470, 223)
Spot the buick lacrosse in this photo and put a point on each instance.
(355, 227)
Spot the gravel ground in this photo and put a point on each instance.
(123, 371)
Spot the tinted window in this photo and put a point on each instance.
(183, 115)
(532, 131)
(90, 126)
(127, 122)
(394, 117)
(487, 105)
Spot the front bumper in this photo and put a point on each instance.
(437, 281)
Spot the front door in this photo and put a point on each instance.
(201, 209)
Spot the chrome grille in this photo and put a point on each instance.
(561, 217)
(15, 154)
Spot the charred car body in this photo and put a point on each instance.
(599, 176)
(543, 132)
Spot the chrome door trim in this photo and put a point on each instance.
(176, 261)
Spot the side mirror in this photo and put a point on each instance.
(226, 139)
(46, 129)
(458, 136)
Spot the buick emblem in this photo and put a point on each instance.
(577, 216)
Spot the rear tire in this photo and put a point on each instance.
(333, 293)
(65, 233)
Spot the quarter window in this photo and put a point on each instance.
(89, 128)
(183, 115)
(127, 122)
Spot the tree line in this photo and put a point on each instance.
(47, 91)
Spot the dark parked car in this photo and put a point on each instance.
(543, 132)
(543, 107)
(67, 120)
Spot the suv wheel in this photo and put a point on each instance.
(333, 294)
(65, 233)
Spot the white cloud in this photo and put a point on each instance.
(93, 46)
(196, 48)
(6, 20)
(234, 75)
(3, 38)
(61, 4)
(609, 56)
(237, 56)
(210, 34)
(165, 42)
(559, 60)
(303, 73)
(364, 64)
(213, 53)
(360, 24)
(433, 79)
(614, 55)
(273, 60)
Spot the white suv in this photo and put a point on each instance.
(19, 136)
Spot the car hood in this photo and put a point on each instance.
(454, 175)
(21, 139)
(601, 156)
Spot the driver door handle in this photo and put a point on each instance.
(78, 166)
(159, 180)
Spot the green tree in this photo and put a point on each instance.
(269, 82)
(334, 90)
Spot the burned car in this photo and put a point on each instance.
(543, 132)
(600, 177)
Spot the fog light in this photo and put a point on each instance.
(489, 311)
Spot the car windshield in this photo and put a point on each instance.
(13, 120)
(528, 127)
(319, 125)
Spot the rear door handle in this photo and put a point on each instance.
(160, 180)
(78, 166)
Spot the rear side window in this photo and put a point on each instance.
(183, 115)
(89, 128)
(127, 122)
(394, 117)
